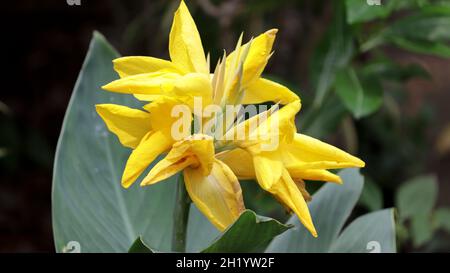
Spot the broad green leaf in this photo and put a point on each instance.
(333, 53)
(416, 196)
(139, 246)
(250, 233)
(359, 11)
(442, 218)
(421, 229)
(373, 232)
(358, 99)
(330, 207)
(371, 197)
(89, 205)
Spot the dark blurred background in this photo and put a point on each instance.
(44, 44)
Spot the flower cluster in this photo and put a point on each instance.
(212, 165)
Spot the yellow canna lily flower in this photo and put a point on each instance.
(211, 166)
(210, 183)
(148, 77)
(282, 171)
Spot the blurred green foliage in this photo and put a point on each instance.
(416, 201)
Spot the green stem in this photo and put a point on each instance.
(180, 216)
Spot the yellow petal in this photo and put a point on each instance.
(152, 145)
(287, 191)
(166, 168)
(263, 90)
(196, 151)
(161, 112)
(147, 98)
(218, 196)
(258, 55)
(310, 153)
(194, 85)
(240, 162)
(285, 119)
(266, 129)
(129, 125)
(133, 65)
(314, 174)
(171, 117)
(185, 45)
(155, 83)
(268, 169)
(301, 187)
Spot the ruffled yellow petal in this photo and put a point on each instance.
(285, 119)
(263, 90)
(156, 83)
(166, 168)
(268, 169)
(310, 153)
(266, 129)
(218, 196)
(185, 89)
(147, 98)
(240, 162)
(133, 65)
(152, 145)
(287, 191)
(315, 175)
(161, 113)
(194, 85)
(185, 45)
(258, 55)
(129, 125)
(196, 151)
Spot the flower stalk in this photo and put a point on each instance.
(180, 216)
